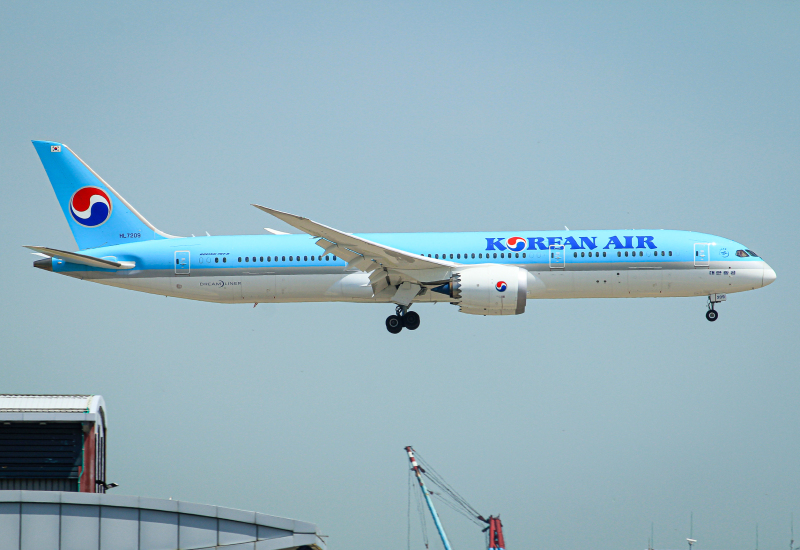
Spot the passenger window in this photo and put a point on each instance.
(502, 255)
(604, 254)
(516, 255)
(224, 260)
(177, 261)
(626, 253)
(662, 252)
(741, 253)
(458, 256)
(590, 254)
(619, 253)
(437, 256)
(582, 255)
(216, 260)
(523, 255)
(261, 258)
(670, 252)
(495, 254)
(451, 256)
(246, 258)
(326, 259)
(641, 253)
(305, 258)
(575, 254)
(291, 258)
(298, 258)
(480, 256)
(283, 258)
(240, 258)
(473, 255)
(334, 258)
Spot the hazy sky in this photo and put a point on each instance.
(581, 421)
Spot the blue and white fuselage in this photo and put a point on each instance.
(486, 273)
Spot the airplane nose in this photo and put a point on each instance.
(768, 277)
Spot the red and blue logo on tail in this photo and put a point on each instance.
(90, 206)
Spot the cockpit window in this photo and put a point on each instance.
(741, 253)
(753, 254)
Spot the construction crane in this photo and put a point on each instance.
(451, 498)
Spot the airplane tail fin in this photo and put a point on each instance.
(96, 213)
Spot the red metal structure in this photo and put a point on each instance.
(496, 534)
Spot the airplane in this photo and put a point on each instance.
(483, 273)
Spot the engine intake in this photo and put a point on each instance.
(488, 290)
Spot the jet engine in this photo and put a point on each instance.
(488, 289)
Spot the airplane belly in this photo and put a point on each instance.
(644, 282)
(593, 284)
(258, 288)
(224, 289)
(310, 288)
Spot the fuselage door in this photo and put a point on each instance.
(182, 260)
(701, 254)
(557, 256)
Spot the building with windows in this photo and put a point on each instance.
(53, 443)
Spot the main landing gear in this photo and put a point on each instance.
(712, 314)
(402, 318)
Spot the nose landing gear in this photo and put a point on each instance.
(402, 318)
(712, 314)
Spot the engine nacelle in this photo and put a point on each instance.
(488, 289)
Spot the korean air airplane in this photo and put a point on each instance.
(483, 273)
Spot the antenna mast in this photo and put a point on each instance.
(690, 540)
(418, 472)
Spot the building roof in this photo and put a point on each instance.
(52, 408)
(81, 521)
(50, 403)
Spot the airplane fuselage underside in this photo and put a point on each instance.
(326, 285)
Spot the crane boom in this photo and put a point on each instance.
(416, 468)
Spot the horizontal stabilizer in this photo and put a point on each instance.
(82, 259)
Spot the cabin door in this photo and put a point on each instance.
(557, 256)
(701, 254)
(182, 262)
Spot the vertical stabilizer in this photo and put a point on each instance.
(96, 213)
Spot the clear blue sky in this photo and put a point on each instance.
(581, 422)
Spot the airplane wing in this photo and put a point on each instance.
(82, 259)
(387, 265)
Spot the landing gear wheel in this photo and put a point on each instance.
(394, 324)
(411, 320)
(712, 315)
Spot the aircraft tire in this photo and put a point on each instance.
(394, 324)
(411, 320)
(712, 315)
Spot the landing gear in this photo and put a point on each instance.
(712, 314)
(402, 318)
(394, 324)
(411, 320)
